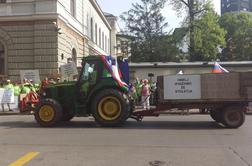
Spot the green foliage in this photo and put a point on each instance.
(193, 8)
(238, 38)
(146, 24)
(208, 37)
(164, 50)
(204, 33)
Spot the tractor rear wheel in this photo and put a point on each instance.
(233, 116)
(48, 112)
(110, 108)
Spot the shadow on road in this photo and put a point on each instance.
(170, 125)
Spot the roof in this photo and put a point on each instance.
(108, 14)
(187, 64)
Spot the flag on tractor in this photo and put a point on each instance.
(112, 66)
(123, 66)
(219, 69)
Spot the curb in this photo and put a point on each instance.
(9, 113)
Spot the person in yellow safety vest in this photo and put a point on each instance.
(36, 86)
(32, 87)
(17, 89)
(8, 86)
(25, 89)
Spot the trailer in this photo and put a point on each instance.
(225, 95)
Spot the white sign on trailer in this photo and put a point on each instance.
(182, 87)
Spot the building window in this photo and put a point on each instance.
(108, 46)
(2, 60)
(96, 33)
(99, 37)
(2, 1)
(103, 40)
(92, 29)
(73, 8)
(74, 56)
(88, 32)
(105, 43)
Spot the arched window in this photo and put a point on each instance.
(74, 56)
(2, 59)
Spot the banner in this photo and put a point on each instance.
(6, 96)
(30, 75)
(182, 87)
(68, 70)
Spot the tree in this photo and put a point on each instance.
(238, 38)
(194, 10)
(146, 24)
(208, 37)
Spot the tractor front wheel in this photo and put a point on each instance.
(109, 108)
(48, 112)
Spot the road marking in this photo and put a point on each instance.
(26, 158)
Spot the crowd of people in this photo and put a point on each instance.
(21, 90)
(143, 92)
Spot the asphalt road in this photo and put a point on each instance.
(189, 140)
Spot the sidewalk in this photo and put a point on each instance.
(6, 112)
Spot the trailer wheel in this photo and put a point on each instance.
(233, 116)
(216, 115)
(109, 108)
(48, 112)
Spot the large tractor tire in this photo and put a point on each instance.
(216, 115)
(110, 108)
(233, 116)
(48, 112)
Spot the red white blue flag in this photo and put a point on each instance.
(112, 66)
(219, 69)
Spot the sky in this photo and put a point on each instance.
(117, 7)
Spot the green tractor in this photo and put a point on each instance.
(96, 93)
